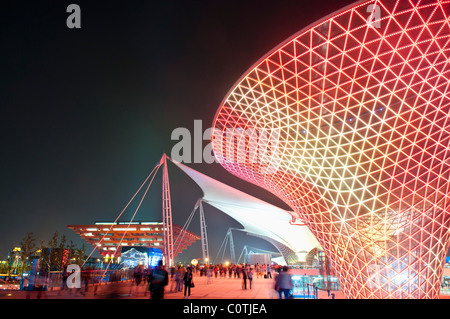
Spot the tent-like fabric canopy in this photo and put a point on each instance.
(257, 217)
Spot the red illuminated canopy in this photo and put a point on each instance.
(348, 122)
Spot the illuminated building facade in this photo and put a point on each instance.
(347, 121)
(109, 237)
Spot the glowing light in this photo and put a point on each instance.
(363, 151)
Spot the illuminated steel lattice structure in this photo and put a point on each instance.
(359, 103)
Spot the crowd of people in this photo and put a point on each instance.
(159, 280)
(246, 272)
(234, 270)
(181, 278)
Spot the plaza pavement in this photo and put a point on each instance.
(215, 288)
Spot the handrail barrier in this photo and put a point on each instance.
(307, 287)
(53, 280)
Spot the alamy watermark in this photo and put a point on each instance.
(374, 19)
(74, 279)
(237, 145)
(73, 21)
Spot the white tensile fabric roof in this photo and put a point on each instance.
(256, 216)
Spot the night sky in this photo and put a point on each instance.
(87, 113)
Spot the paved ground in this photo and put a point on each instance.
(217, 288)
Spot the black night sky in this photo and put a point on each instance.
(87, 113)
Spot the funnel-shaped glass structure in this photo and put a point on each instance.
(348, 122)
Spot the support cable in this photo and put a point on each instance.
(179, 240)
(129, 224)
(153, 172)
(224, 245)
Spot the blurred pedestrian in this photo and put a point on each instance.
(284, 284)
(64, 275)
(269, 274)
(159, 278)
(244, 277)
(179, 279)
(87, 279)
(209, 275)
(138, 274)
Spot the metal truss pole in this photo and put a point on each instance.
(167, 215)
(244, 250)
(233, 256)
(204, 236)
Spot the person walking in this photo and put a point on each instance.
(244, 278)
(179, 279)
(64, 277)
(209, 275)
(250, 277)
(138, 273)
(269, 275)
(284, 284)
(188, 282)
(159, 278)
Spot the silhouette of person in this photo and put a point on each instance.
(158, 279)
(284, 284)
(187, 279)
